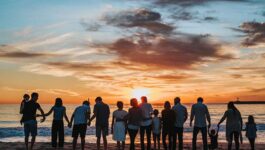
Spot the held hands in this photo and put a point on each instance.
(70, 125)
(42, 120)
(89, 123)
(209, 126)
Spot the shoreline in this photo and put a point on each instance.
(111, 146)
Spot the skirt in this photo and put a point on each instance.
(119, 131)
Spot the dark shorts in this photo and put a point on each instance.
(156, 136)
(79, 129)
(30, 128)
(104, 130)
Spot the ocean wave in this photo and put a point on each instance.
(46, 131)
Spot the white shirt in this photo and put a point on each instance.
(80, 114)
(181, 111)
(156, 125)
(147, 109)
(119, 114)
(200, 112)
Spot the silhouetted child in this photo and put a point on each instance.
(118, 127)
(59, 112)
(26, 99)
(156, 129)
(251, 131)
(213, 134)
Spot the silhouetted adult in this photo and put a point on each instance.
(80, 117)
(201, 114)
(59, 112)
(168, 121)
(29, 118)
(146, 123)
(134, 118)
(181, 117)
(233, 124)
(101, 113)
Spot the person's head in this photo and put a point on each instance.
(98, 99)
(156, 112)
(34, 96)
(232, 106)
(58, 102)
(251, 119)
(167, 105)
(134, 102)
(86, 102)
(200, 99)
(212, 132)
(177, 100)
(144, 99)
(26, 97)
(120, 105)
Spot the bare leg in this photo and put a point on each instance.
(32, 142)
(98, 143)
(123, 145)
(118, 145)
(27, 142)
(74, 143)
(83, 143)
(105, 142)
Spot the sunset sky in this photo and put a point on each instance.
(119, 49)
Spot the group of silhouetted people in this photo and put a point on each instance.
(140, 117)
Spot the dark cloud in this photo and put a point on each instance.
(7, 51)
(143, 18)
(250, 70)
(209, 18)
(182, 15)
(186, 3)
(77, 66)
(167, 52)
(172, 77)
(90, 26)
(255, 33)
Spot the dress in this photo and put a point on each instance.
(119, 125)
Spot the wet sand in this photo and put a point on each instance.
(92, 146)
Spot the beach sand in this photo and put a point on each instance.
(92, 146)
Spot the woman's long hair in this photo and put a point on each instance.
(251, 120)
(58, 102)
(231, 105)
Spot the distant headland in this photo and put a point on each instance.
(248, 102)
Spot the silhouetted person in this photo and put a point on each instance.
(146, 123)
(101, 113)
(214, 139)
(26, 99)
(201, 114)
(59, 112)
(80, 118)
(156, 129)
(29, 118)
(134, 118)
(181, 117)
(118, 126)
(233, 125)
(168, 121)
(251, 131)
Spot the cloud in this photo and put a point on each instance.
(168, 52)
(236, 76)
(88, 26)
(257, 90)
(187, 3)
(182, 15)
(143, 18)
(209, 18)
(7, 51)
(255, 33)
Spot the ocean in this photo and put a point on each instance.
(12, 131)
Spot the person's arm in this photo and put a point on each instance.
(72, 119)
(42, 113)
(65, 116)
(94, 114)
(241, 120)
(47, 114)
(191, 115)
(217, 132)
(208, 117)
(185, 114)
(222, 119)
(88, 116)
(21, 107)
(112, 123)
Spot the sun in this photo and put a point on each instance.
(139, 92)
